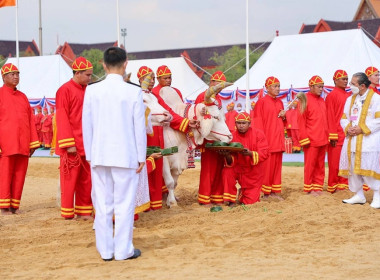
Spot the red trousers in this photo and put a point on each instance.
(210, 181)
(12, 177)
(314, 171)
(335, 182)
(75, 178)
(47, 136)
(272, 176)
(250, 186)
(156, 185)
(294, 134)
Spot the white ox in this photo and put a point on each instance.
(212, 127)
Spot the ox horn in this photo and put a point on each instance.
(127, 77)
(145, 83)
(212, 91)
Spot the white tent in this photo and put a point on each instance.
(183, 77)
(294, 59)
(41, 75)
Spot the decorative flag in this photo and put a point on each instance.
(5, 3)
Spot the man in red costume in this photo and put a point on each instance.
(269, 116)
(314, 136)
(18, 139)
(292, 126)
(253, 103)
(246, 167)
(374, 77)
(75, 171)
(164, 78)
(46, 129)
(335, 101)
(37, 120)
(210, 181)
(156, 181)
(230, 117)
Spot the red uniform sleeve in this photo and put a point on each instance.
(65, 136)
(304, 139)
(150, 164)
(262, 150)
(331, 118)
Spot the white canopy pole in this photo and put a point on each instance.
(118, 23)
(17, 41)
(247, 97)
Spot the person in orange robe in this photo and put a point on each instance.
(230, 117)
(292, 126)
(210, 182)
(314, 136)
(253, 103)
(18, 139)
(155, 179)
(374, 77)
(164, 78)
(46, 129)
(37, 119)
(269, 116)
(335, 101)
(75, 172)
(246, 167)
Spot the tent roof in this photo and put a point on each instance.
(183, 77)
(294, 59)
(41, 75)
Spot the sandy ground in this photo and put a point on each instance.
(302, 237)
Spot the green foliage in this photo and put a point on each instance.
(131, 57)
(2, 60)
(229, 58)
(25, 53)
(95, 56)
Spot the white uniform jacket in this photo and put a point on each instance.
(113, 122)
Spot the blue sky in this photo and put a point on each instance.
(166, 24)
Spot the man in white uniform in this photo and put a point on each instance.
(114, 139)
(360, 156)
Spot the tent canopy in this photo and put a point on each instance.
(183, 77)
(41, 75)
(294, 59)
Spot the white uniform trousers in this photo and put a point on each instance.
(355, 182)
(114, 191)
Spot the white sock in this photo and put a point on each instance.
(360, 193)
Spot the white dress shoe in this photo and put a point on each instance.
(355, 200)
(375, 203)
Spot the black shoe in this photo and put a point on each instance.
(136, 254)
(108, 260)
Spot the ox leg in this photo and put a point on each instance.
(169, 182)
(172, 201)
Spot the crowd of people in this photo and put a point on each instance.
(103, 130)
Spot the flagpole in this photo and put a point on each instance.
(247, 96)
(40, 29)
(118, 23)
(17, 43)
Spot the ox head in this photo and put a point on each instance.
(212, 121)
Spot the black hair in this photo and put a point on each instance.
(114, 57)
(362, 79)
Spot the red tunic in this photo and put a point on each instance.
(178, 122)
(292, 128)
(230, 120)
(18, 132)
(69, 105)
(266, 118)
(248, 171)
(47, 129)
(335, 101)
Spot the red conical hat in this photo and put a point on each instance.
(243, 117)
(218, 76)
(315, 80)
(8, 68)
(162, 71)
(81, 64)
(271, 81)
(143, 71)
(340, 74)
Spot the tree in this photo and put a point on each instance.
(95, 56)
(229, 58)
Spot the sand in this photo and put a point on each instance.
(302, 237)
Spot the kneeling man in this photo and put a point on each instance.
(245, 167)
